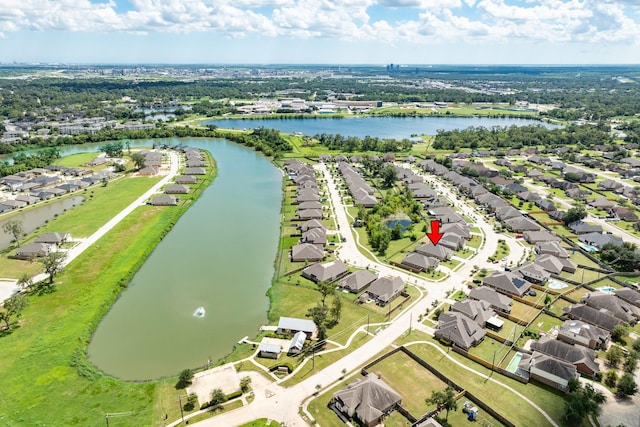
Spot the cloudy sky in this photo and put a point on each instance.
(321, 31)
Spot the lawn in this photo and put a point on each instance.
(262, 422)
(413, 382)
(46, 356)
(76, 160)
(558, 306)
(544, 322)
(523, 311)
(506, 403)
(508, 328)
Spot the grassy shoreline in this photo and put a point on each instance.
(45, 357)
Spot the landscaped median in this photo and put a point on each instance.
(45, 356)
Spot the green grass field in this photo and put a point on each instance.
(44, 358)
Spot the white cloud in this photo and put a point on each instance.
(584, 21)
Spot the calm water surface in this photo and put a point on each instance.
(382, 127)
(219, 256)
(35, 217)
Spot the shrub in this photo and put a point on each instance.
(233, 395)
(611, 378)
(184, 379)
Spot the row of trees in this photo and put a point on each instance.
(368, 143)
(22, 162)
(497, 137)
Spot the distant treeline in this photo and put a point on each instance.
(520, 136)
(23, 162)
(268, 141)
(368, 143)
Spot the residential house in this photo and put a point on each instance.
(434, 251)
(507, 212)
(33, 250)
(308, 225)
(366, 400)
(306, 252)
(555, 265)
(598, 240)
(476, 310)
(599, 318)
(357, 281)
(496, 300)
(629, 295)
(533, 272)
(534, 237)
(551, 248)
(623, 214)
(53, 238)
(418, 262)
(581, 227)
(148, 171)
(29, 200)
(507, 282)
(528, 196)
(548, 370)
(456, 228)
(293, 325)
(186, 179)
(176, 189)
(327, 272)
(316, 236)
(195, 171)
(308, 214)
(459, 330)
(383, 290)
(601, 203)
(269, 350)
(610, 303)
(546, 205)
(164, 200)
(521, 224)
(583, 358)
(585, 334)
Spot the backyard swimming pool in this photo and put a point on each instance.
(513, 365)
(556, 284)
(607, 289)
(588, 248)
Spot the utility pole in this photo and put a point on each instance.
(106, 418)
(493, 362)
(367, 323)
(180, 403)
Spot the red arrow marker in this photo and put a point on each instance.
(435, 234)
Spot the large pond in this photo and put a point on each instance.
(382, 127)
(33, 218)
(219, 256)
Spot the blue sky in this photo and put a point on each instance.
(321, 31)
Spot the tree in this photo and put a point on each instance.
(319, 316)
(15, 228)
(113, 149)
(217, 397)
(336, 309)
(325, 289)
(138, 159)
(184, 379)
(636, 345)
(626, 386)
(630, 362)
(619, 333)
(245, 384)
(444, 399)
(25, 281)
(614, 356)
(53, 264)
(13, 307)
(575, 213)
(396, 232)
(611, 378)
(581, 402)
(388, 175)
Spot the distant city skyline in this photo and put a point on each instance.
(321, 31)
